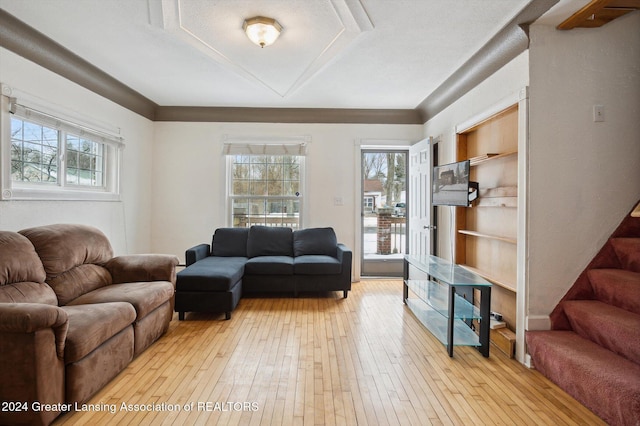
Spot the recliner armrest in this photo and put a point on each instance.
(143, 268)
(196, 253)
(31, 317)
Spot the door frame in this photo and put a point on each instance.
(434, 151)
(398, 261)
(359, 146)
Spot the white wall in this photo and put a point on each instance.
(583, 176)
(126, 223)
(189, 177)
(499, 90)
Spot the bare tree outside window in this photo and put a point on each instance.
(387, 168)
(34, 152)
(36, 155)
(266, 190)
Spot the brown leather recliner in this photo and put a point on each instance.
(72, 316)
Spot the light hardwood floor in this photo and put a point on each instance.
(324, 360)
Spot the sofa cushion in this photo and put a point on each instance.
(18, 260)
(28, 292)
(78, 281)
(269, 241)
(92, 325)
(269, 265)
(230, 242)
(61, 247)
(314, 264)
(22, 275)
(144, 296)
(315, 241)
(211, 274)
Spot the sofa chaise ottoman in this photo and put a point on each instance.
(260, 259)
(72, 316)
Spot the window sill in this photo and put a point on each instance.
(22, 194)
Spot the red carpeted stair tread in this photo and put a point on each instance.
(617, 287)
(604, 305)
(628, 251)
(612, 328)
(604, 382)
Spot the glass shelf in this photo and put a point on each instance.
(436, 296)
(448, 273)
(463, 335)
(438, 306)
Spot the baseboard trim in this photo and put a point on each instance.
(538, 322)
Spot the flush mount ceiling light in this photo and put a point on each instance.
(262, 31)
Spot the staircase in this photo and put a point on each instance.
(593, 348)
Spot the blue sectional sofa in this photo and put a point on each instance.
(260, 259)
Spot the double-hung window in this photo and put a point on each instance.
(265, 184)
(46, 157)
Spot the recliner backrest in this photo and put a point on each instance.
(73, 257)
(22, 275)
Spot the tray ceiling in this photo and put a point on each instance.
(373, 54)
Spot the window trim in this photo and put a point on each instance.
(67, 122)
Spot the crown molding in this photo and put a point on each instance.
(508, 43)
(288, 115)
(31, 44)
(503, 47)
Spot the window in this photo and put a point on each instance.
(265, 189)
(36, 151)
(46, 157)
(368, 204)
(85, 162)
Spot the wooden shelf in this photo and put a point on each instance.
(493, 280)
(488, 236)
(505, 196)
(486, 233)
(598, 13)
(491, 156)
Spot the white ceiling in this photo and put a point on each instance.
(382, 54)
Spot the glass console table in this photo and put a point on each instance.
(442, 309)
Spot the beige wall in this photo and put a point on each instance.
(173, 180)
(498, 91)
(583, 176)
(126, 223)
(189, 176)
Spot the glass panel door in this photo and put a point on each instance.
(384, 212)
